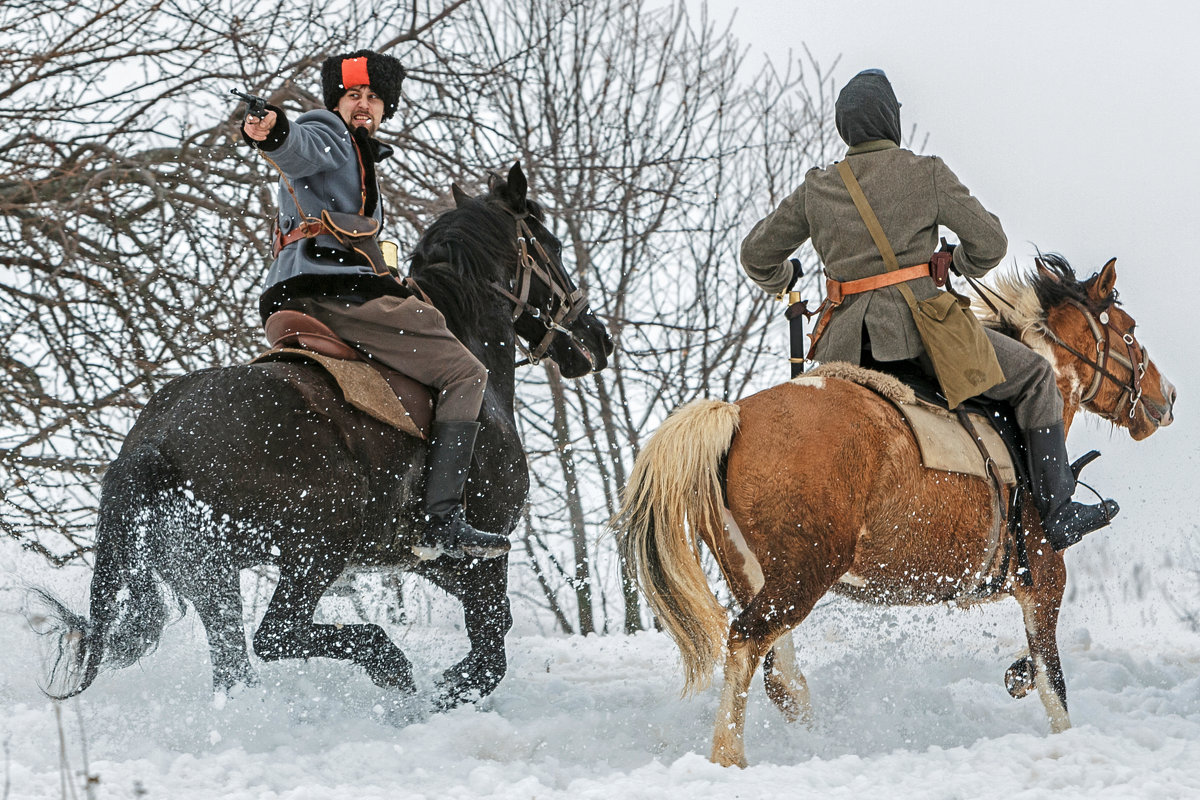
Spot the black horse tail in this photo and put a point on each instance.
(128, 608)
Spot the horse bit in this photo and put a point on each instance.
(1135, 362)
(566, 304)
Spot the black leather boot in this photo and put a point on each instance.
(1052, 483)
(447, 530)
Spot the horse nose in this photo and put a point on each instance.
(1168, 393)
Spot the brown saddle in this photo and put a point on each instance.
(295, 329)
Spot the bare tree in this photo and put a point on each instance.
(133, 223)
(656, 147)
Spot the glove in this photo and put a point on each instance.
(797, 271)
(950, 248)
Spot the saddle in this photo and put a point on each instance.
(385, 394)
(979, 437)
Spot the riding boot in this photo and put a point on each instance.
(447, 530)
(1052, 483)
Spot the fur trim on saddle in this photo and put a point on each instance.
(879, 382)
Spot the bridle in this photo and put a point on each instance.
(566, 302)
(1136, 361)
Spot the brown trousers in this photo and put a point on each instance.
(410, 336)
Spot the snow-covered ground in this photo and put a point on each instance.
(909, 704)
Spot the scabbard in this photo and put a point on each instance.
(796, 312)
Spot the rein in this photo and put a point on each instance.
(1135, 362)
(567, 303)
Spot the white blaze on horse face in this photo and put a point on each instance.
(814, 381)
(750, 566)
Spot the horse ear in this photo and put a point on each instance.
(518, 184)
(461, 198)
(1102, 287)
(1045, 271)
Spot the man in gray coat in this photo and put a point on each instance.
(912, 196)
(327, 161)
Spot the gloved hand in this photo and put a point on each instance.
(797, 271)
(950, 248)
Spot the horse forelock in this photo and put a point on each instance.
(1058, 284)
(1024, 299)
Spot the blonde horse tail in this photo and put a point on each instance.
(673, 493)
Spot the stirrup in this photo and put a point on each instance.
(1076, 520)
(1078, 464)
(458, 539)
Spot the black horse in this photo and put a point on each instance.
(266, 464)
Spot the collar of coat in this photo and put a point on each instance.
(872, 146)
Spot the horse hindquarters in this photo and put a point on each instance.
(794, 519)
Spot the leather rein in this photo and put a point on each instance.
(1100, 326)
(1135, 361)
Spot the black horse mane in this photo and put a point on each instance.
(1059, 284)
(464, 251)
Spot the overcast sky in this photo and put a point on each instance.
(1074, 122)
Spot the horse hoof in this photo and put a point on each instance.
(1018, 678)
(402, 682)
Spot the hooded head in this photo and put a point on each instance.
(867, 109)
(382, 73)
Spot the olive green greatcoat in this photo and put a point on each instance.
(912, 195)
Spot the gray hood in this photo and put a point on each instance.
(867, 109)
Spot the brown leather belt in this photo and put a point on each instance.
(836, 290)
(306, 230)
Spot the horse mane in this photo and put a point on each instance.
(1021, 300)
(464, 251)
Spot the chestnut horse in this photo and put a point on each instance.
(817, 485)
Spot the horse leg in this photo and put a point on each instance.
(288, 630)
(482, 588)
(1040, 605)
(754, 632)
(218, 603)
(785, 683)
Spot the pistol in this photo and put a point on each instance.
(256, 106)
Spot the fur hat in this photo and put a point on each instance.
(383, 73)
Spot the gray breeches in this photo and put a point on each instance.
(1029, 386)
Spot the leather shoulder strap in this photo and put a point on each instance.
(868, 216)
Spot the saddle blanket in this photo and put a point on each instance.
(944, 443)
(361, 385)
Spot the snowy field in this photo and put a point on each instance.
(909, 704)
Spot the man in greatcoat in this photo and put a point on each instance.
(327, 160)
(912, 196)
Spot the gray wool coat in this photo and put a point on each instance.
(318, 157)
(912, 196)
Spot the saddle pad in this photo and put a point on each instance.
(945, 444)
(361, 384)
